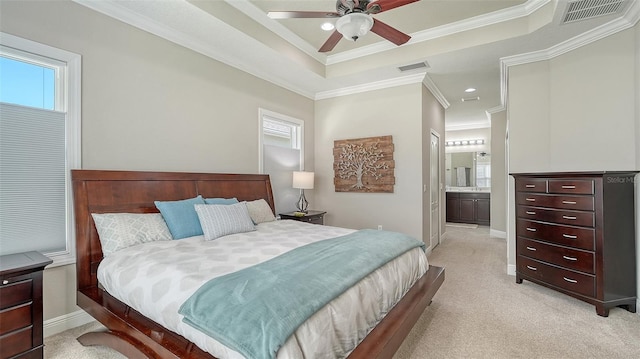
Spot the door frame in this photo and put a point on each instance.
(439, 181)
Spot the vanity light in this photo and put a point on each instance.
(465, 142)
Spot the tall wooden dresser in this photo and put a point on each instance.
(21, 305)
(575, 233)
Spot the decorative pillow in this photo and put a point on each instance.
(219, 220)
(220, 200)
(122, 230)
(260, 211)
(181, 217)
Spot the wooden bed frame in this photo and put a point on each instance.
(132, 334)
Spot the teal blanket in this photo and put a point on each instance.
(255, 310)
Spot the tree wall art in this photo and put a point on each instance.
(364, 165)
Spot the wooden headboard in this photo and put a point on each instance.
(98, 191)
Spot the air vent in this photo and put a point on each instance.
(419, 65)
(469, 99)
(588, 9)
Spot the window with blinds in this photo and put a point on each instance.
(39, 145)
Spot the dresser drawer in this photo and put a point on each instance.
(15, 318)
(16, 342)
(563, 278)
(577, 237)
(576, 218)
(584, 203)
(575, 259)
(571, 186)
(532, 185)
(15, 293)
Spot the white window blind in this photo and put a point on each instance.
(33, 191)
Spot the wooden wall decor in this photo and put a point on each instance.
(364, 165)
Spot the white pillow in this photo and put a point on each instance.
(219, 220)
(260, 211)
(122, 230)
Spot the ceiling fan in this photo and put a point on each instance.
(354, 20)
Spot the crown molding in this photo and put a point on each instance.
(115, 10)
(630, 18)
(259, 16)
(428, 82)
(377, 85)
(476, 22)
(468, 126)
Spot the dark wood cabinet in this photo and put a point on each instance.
(315, 217)
(575, 233)
(469, 207)
(21, 305)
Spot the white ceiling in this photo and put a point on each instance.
(461, 40)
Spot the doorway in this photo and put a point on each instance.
(434, 190)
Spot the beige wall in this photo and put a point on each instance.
(394, 111)
(148, 104)
(575, 112)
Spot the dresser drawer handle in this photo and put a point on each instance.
(5, 282)
(569, 236)
(530, 212)
(531, 229)
(570, 258)
(573, 218)
(570, 280)
(531, 248)
(530, 199)
(569, 202)
(532, 268)
(568, 187)
(530, 186)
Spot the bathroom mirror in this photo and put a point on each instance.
(468, 169)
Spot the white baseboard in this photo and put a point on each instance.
(66, 322)
(497, 234)
(511, 269)
(443, 237)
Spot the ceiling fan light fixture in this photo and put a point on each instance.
(354, 25)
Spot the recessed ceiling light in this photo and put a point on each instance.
(327, 26)
(470, 89)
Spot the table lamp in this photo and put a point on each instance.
(302, 180)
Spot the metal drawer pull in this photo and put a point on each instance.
(570, 280)
(570, 258)
(5, 282)
(530, 186)
(569, 236)
(532, 268)
(531, 249)
(530, 199)
(570, 217)
(531, 229)
(568, 202)
(530, 212)
(569, 187)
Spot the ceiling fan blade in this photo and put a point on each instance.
(390, 4)
(302, 14)
(331, 42)
(389, 33)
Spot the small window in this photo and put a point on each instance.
(281, 153)
(39, 145)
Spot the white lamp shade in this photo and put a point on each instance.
(303, 180)
(354, 25)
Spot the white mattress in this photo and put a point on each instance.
(156, 278)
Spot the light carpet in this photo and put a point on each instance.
(479, 312)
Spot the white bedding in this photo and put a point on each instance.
(156, 278)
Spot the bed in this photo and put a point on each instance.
(136, 336)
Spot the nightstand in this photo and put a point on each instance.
(21, 319)
(315, 217)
